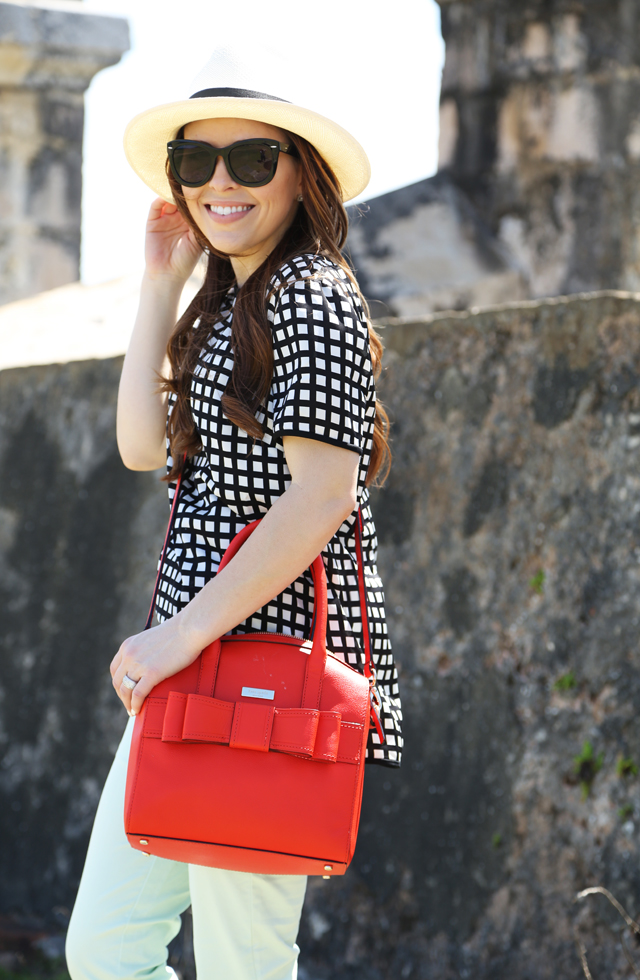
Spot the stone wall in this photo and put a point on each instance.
(510, 550)
(47, 59)
(79, 536)
(540, 126)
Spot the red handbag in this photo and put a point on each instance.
(252, 758)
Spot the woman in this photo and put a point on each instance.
(269, 391)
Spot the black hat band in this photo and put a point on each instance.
(234, 93)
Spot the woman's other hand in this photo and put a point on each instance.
(171, 251)
(149, 658)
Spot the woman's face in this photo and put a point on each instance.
(265, 213)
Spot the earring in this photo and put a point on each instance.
(299, 197)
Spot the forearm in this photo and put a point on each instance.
(293, 532)
(141, 414)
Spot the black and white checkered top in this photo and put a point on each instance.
(322, 389)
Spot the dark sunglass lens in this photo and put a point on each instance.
(192, 164)
(252, 163)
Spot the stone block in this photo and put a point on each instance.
(544, 140)
(47, 59)
(570, 44)
(574, 125)
(550, 122)
(448, 133)
(41, 47)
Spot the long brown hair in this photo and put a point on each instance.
(319, 227)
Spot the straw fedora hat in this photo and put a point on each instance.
(229, 89)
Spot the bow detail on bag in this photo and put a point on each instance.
(310, 733)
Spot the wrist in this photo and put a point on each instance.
(164, 284)
(188, 637)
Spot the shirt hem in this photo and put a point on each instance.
(317, 438)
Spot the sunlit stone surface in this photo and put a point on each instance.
(47, 60)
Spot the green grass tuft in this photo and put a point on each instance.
(626, 767)
(538, 580)
(566, 682)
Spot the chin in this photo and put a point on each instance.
(224, 243)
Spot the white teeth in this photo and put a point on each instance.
(219, 209)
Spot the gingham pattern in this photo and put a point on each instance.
(322, 389)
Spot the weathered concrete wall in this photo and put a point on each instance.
(516, 453)
(47, 59)
(79, 536)
(510, 552)
(540, 125)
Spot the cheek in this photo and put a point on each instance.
(282, 198)
(194, 210)
(294, 179)
(190, 198)
(282, 192)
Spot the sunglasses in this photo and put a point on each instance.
(251, 163)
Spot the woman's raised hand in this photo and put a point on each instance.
(171, 250)
(171, 253)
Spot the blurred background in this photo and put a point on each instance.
(498, 246)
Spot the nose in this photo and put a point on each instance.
(221, 179)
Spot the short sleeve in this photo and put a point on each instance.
(322, 379)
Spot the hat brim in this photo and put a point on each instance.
(147, 135)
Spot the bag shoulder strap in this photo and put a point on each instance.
(364, 606)
(369, 669)
(172, 515)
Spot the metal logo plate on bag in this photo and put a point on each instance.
(258, 692)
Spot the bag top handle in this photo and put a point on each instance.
(318, 656)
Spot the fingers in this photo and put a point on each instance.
(160, 207)
(127, 666)
(122, 690)
(115, 663)
(133, 698)
(143, 688)
(148, 658)
(125, 692)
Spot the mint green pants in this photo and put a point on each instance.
(128, 909)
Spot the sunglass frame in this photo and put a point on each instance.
(224, 151)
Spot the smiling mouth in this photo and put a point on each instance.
(226, 209)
